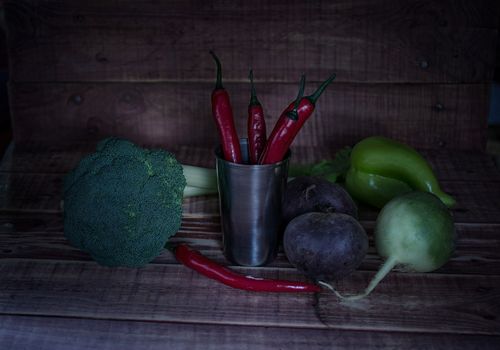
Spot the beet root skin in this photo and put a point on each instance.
(306, 194)
(325, 246)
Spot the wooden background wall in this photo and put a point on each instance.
(418, 71)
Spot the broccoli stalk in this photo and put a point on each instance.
(199, 181)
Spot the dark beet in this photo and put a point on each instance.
(306, 194)
(325, 246)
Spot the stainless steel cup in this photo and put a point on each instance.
(250, 199)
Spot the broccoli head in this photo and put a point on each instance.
(123, 202)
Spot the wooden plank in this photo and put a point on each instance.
(31, 192)
(40, 236)
(453, 165)
(432, 116)
(477, 202)
(24, 332)
(39, 158)
(448, 165)
(402, 302)
(363, 40)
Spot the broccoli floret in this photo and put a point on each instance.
(123, 202)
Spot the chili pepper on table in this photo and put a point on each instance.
(201, 264)
(256, 127)
(289, 124)
(222, 113)
(382, 168)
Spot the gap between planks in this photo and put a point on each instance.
(84, 289)
(56, 331)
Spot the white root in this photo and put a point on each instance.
(386, 267)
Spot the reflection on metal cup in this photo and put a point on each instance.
(250, 199)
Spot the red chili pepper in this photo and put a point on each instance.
(196, 261)
(256, 126)
(289, 124)
(223, 115)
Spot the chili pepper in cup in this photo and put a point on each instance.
(201, 264)
(289, 124)
(283, 129)
(256, 127)
(222, 113)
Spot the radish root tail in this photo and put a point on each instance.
(386, 267)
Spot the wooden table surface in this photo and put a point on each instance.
(53, 296)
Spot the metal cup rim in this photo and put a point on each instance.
(244, 141)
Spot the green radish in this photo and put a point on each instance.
(414, 230)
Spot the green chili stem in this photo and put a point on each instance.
(301, 91)
(218, 83)
(293, 114)
(254, 101)
(316, 94)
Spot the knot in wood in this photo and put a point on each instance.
(439, 107)
(76, 99)
(424, 64)
(93, 126)
(99, 57)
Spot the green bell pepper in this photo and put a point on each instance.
(382, 169)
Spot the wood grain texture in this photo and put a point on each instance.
(415, 70)
(32, 180)
(432, 116)
(24, 332)
(363, 40)
(477, 202)
(172, 293)
(447, 165)
(40, 236)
